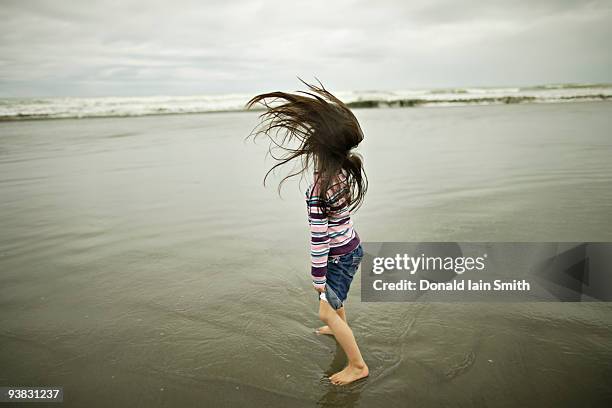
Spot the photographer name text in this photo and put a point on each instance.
(455, 285)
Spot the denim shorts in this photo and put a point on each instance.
(340, 272)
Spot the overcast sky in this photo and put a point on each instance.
(100, 48)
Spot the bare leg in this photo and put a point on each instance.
(325, 329)
(342, 313)
(356, 367)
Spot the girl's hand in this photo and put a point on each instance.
(319, 288)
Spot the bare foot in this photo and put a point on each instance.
(324, 330)
(349, 374)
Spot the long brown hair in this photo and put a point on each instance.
(325, 132)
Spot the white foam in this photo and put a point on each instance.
(15, 108)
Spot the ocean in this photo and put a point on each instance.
(143, 263)
(72, 107)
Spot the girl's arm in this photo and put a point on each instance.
(319, 240)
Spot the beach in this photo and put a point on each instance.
(143, 263)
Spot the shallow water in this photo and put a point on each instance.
(142, 263)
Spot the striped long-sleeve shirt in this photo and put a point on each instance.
(331, 234)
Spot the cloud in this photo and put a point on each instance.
(189, 47)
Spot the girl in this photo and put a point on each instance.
(321, 131)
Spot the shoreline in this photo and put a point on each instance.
(356, 105)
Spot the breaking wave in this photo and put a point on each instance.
(72, 107)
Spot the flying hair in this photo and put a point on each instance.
(313, 129)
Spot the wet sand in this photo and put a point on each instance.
(142, 263)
